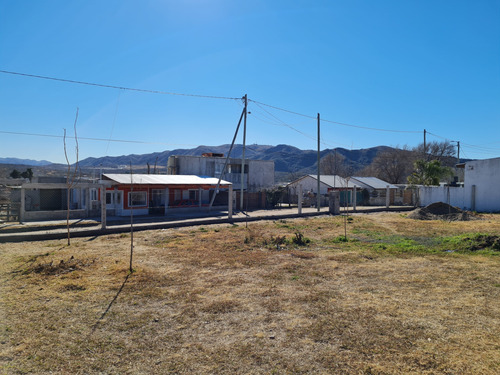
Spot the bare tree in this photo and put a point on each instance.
(335, 164)
(71, 175)
(392, 165)
(443, 151)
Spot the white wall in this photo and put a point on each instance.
(485, 175)
(481, 175)
(455, 196)
(308, 183)
(260, 172)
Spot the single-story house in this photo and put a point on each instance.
(308, 184)
(377, 191)
(369, 190)
(159, 194)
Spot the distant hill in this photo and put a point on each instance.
(290, 162)
(16, 161)
(287, 159)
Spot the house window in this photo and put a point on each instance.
(234, 168)
(177, 194)
(113, 197)
(93, 194)
(137, 198)
(218, 168)
(192, 194)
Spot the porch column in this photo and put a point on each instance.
(199, 197)
(299, 199)
(387, 197)
(230, 203)
(166, 200)
(103, 207)
(87, 201)
(354, 198)
(22, 207)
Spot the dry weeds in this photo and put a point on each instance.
(394, 298)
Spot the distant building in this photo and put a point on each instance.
(375, 189)
(308, 184)
(258, 174)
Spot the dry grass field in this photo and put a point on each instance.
(399, 296)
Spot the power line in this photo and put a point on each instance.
(283, 123)
(259, 104)
(475, 148)
(97, 139)
(202, 96)
(117, 87)
(438, 136)
(335, 122)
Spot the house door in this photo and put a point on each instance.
(157, 205)
(114, 199)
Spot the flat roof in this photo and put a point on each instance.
(163, 179)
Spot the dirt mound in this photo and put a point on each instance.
(441, 211)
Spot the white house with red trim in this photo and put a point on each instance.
(159, 194)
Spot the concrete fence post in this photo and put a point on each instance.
(299, 200)
(103, 207)
(22, 207)
(354, 198)
(230, 203)
(334, 202)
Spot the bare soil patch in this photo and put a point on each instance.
(441, 211)
(284, 297)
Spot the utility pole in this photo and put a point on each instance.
(425, 148)
(225, 163)
(243, 152)
(458, 152)
(318, 195)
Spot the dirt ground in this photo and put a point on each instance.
(285, 297)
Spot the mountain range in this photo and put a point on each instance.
(16, 161)
(287, 159)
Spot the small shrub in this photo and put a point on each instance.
(300, 239)
(340, 239)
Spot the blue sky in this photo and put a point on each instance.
(393, 65)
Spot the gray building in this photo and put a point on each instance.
(258, 174)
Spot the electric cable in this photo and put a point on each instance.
(117, 87)
(98, 139)
(335, 122)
